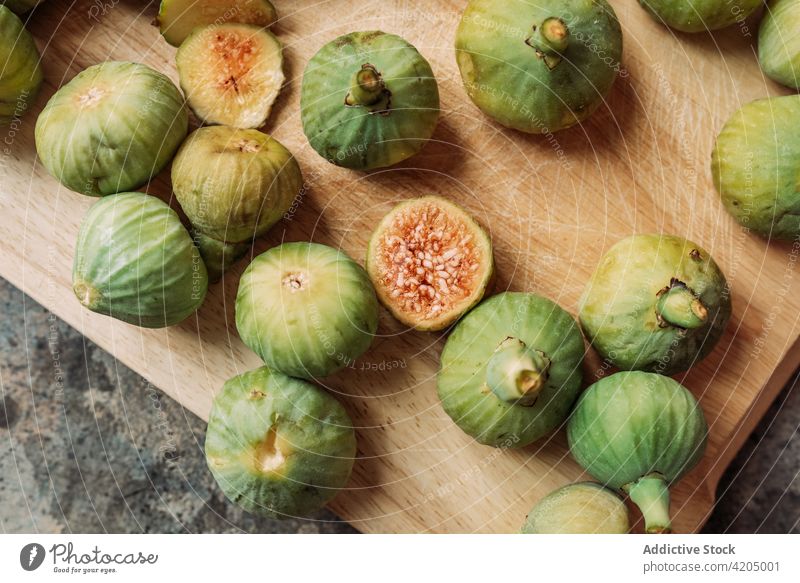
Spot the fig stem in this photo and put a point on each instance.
(366, 87)
(651, 494)
(550, 39)
(517, 374)
(678, 306)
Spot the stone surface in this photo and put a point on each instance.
(86, 445)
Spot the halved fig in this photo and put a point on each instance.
(430, 262)
(178, 18)
(231, 74)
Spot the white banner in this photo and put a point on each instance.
(401, 558)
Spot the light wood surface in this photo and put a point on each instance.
(553, 205)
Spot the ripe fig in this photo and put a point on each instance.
(511, 369)
(657, 303)
(178, 18)
(20, 72)
(430, 262)
(779, 42)
(369, 100)
(306, 309)
(112, 128)
(756, 166)
(538, 67)
(638, 432)
(234, 185)
(231, 73)
(582, 508)
(699, 15)
(278, 446)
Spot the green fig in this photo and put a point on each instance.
(779, 42)
(699, 15)
(20, 72)
(583, 508)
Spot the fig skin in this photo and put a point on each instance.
(135, 261)
(755, 166)
(177, 18)
(234, 185)
(619, 308)
(494, 418)
(278, 446)
(582, 508)
(21, 75)
(525, 81)
(359, 134)
(306, 309)
(475, 283)
(699, 15)
(638, 432)
(779, 42)
(111, 128)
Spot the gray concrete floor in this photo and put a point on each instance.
(87, 458)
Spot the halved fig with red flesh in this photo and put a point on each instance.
(430, 262)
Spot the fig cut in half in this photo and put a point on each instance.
(231, 74)
(178, 18)
(430, 262)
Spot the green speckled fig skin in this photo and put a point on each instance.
(699, 15)
(111, 128)
(582, 508)
(234, 184)
(20, 72)
(542, 325)
(136, 262)
(618, 306)
(634, 423)
(510, 81)
(278, 446)
(756, 166)
(306, 309)
(356, 136)
(779, 42)
(21, 6)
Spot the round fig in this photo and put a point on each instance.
(699, 15)
(278, 446)
(135, 261)
(756, 164)
(430, 262)
(583, 508)
(306, 309)
(538, 67)
(657, 303)
(779, 42)
(112, 128)
(178, 18)
(231, 73)
(20, 73)
(511, 369)
(638, 432)
(369, 100)
(234, 185)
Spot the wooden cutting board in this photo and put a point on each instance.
(552, 204)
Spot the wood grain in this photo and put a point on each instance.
(552, 204)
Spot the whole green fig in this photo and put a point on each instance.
(638, 432)
(756, 166)
(657, 303)
(583, 508)
(369, 100)
(278, 446)
(542, 66)
(511, 369)
(20, 71)
(779, 42)
(699, 15)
